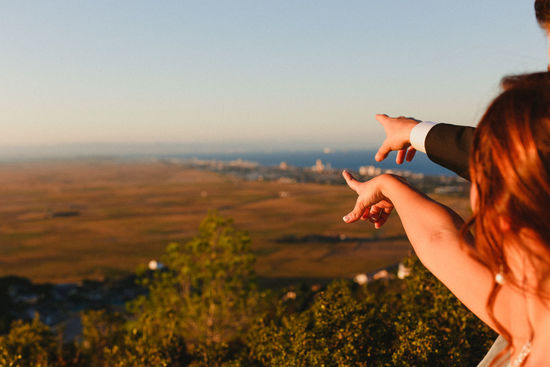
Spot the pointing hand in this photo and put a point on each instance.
(398, 131)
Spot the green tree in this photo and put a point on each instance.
(206, 295)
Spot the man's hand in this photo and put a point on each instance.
(398, 131)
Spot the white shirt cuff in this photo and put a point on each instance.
(419, 133)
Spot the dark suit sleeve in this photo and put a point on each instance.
(449, 146)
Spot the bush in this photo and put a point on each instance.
(339, 329)
(415, 322)
(434, 328)
(29, 344)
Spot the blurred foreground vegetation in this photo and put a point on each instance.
(205, 309)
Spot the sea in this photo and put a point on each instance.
(339, 159)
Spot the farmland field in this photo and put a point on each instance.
(65, 221)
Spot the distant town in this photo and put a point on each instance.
(322, 173)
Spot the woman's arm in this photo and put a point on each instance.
(435, 234)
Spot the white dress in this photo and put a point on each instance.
(499, 344)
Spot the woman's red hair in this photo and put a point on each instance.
(510, 172)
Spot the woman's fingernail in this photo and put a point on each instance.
(346, 219)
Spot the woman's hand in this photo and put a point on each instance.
(371, 204)
(435, 234)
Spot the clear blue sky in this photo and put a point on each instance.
(268, 73)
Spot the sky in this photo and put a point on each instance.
(254, 74)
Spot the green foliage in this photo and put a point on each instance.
(434, 328)
(204, 309)
(415, 322)
(101, 330)
(207, 295)
(28, 344)
(136, 350)
(107, 341)
(339, 329)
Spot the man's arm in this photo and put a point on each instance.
(445, 144)
(449, 146)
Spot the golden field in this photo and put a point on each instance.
(65, 221)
